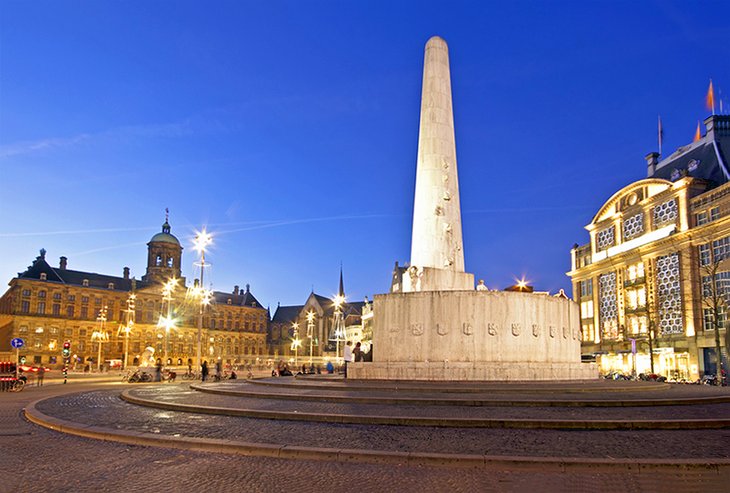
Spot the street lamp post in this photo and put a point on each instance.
(296, 342)
(339, 300)
(310, 333)
(100, 335)
(167, 321)
(128, 327)
(202, 240)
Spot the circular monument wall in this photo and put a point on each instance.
(474, 335)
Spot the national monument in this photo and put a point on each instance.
(434, 325)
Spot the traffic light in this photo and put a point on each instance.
(67, 349)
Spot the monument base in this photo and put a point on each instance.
(458, 371)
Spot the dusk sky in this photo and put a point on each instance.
(290, 130)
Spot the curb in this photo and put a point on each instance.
(531, 387)
(551, 424)
(373, 456)
(685, 401)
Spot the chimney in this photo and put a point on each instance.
(235, 290)
(196, 282)
(126, 272)
(652, 159)
(62, 263)
(248, 288)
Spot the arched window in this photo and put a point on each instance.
(170, 262)
(158, 260)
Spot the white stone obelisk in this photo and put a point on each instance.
(437, 253)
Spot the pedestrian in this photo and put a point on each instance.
(369, 354)
(218, 370)
(330, 367)
(41, 374)
(357, 354)
(204, 370)
(348, 355)
(158, 370)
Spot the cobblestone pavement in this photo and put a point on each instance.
(187, 396)
(35, 459)
(105, 408)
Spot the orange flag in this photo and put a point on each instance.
(698, 135)
(710, 99)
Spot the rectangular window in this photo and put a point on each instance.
(56, 296)
(707, 318)
(84, 312)
(41, 294)
(41, 307)
(587, 332)
(71, 298)
(25, 307)
(84, 299)
(721, 249)
(23, 329)
(82, 332)
(586, 309)
(56, 309)
(26, 292)
(586, 288)
(704, 254)
(701, 218)
(70, 311)
(714, 213)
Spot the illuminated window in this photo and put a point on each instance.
(44, 276)
(586, 310)
(634, 226)
(588, 332)
(85, 283)
(665, 213)
(708, 318)
(605, 238)
(608, 308)
(669, 294)
(170, 262)
(635, 271)
(714, 213)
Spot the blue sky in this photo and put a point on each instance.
(290, 129)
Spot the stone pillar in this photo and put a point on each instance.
(437, 255)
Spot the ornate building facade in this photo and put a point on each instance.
(46, 306)
(655, 277)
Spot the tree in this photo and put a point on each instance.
(714, 260)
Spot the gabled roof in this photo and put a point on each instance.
(286, 314)
(243, 299)
(75, 277)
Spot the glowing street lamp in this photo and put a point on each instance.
(100, 335)
(202, 240)
(126, 329)
(296, 343)
(310, 333)
(339, 300)
(167, 322)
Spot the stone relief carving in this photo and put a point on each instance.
(394, 328)
(417, 329)
(492, 329)
(439, 211)
(516, 329)
(447, 195)
(467, 329)
(441, 329)
(552, 331)
(535, 330)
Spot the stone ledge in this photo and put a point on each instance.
(375, 456)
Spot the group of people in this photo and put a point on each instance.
(356, 354)
(219, 374)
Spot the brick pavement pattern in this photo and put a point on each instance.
(43, 460)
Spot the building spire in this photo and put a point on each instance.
(341, 291)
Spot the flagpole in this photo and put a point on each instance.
(660, 134)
